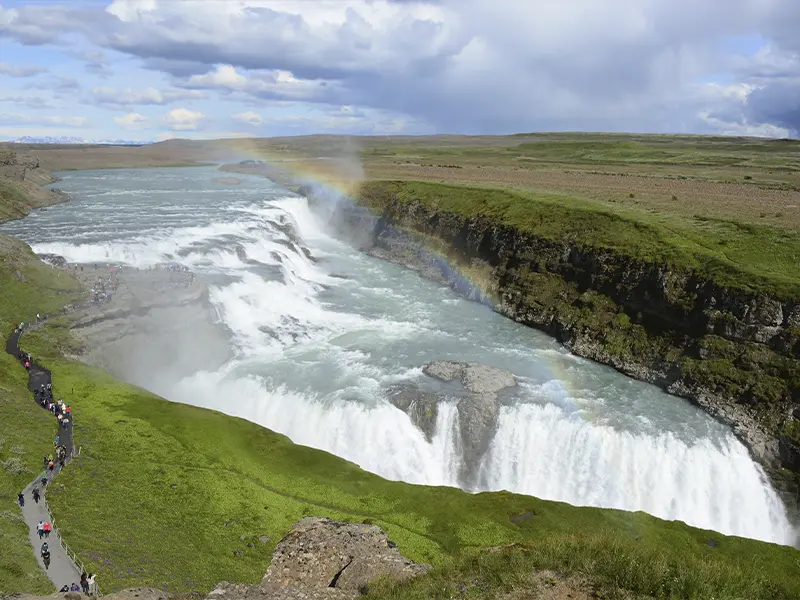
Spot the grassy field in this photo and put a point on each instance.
(749, 257)
(26, 434)
(751, 180)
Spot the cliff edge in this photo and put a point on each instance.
(21, 181)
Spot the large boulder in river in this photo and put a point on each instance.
(320, 554)
(477, 404)
(476, 378)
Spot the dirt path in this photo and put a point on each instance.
(62, 570)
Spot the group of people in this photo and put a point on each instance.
(44, 396)
(101, 291)
(43, 528)
(87, 581)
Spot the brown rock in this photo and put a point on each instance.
(324, 554)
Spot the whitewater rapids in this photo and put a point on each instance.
(318, 332)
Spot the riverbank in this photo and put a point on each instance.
(645, 298)
(21, 181)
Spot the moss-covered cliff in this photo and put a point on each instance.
(708, 313)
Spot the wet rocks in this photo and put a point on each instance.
(320, 554)
(476, 378)
(422, 407)
(477, 403)
(477, 411)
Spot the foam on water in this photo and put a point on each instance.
(314, 353)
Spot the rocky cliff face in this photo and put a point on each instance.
(21, 181)
(733, 352)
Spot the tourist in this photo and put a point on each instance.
(85, 583)
(36, 495)
(64, 589)
(75, 587)
(90, 582)
(47, 529)
(44, 479)
(51, 465)
(40, 529)
(21, 499)
(46, 555)
(65, 422)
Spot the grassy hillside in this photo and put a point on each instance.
(749, 257)
(13, 200)
(26, 433)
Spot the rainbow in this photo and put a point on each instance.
(325, 176)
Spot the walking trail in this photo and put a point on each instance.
(62, 570)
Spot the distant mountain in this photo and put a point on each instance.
(73, 140)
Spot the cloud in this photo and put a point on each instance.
(20, 71)
(96, 62)
(34, 102)
(249, 118)
(25, 119)
(129, 97)
(271, 85)
(131, 121)
(471, 66)
(182, 119)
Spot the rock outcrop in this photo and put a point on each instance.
(21, 181)
(321, 554)
(477, 403)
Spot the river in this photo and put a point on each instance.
(315, 343)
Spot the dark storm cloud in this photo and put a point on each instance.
(474, 65)
(778, 104)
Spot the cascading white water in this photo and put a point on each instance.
(315, 352)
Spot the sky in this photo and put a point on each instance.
(157, 69)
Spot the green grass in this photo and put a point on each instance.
(167, 494)
(13, 201)
(26, 433)
(736, 255)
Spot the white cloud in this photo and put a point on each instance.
(149, 95)
(182, 119)
(273, 84)
(131, 121)
(249, 118)
(20, 71)
(472, 66)
(64, 121)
